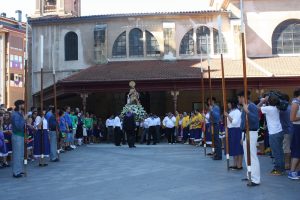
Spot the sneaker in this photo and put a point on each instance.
(73, 146)
(294, 175)
(276, 172)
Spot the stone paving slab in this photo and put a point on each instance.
(161, 172)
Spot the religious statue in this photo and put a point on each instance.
(133, 95)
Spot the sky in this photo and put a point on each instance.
(97, 7)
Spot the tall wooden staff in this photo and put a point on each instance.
(211, 123)
(42, 99)
(55, 103)
(223, 89)
(245, 91)
(202, 95)
(26, 101)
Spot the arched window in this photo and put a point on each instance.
(217, 43)
(136, 42)
(119, 47)
(187, 44)
(71, 46)
(202, 40)
(286, 37)
(152, 46)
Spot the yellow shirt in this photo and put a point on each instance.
(185, 121)
(197, 121)
(177, 120)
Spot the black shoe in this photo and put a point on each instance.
(43, 165)
(216, 158)
(5, 165)
(154, 144)
(17, 176)
(68, 149)
(134, 146)
(252, 184)
(55, 160)
(245, 179)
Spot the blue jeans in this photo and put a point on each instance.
(18, 154)
(53, 145)
(275, 141)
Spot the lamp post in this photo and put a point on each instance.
(84, 96)
(174, 94)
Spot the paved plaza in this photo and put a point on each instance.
(161, 172)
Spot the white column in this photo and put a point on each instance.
(211, 42)
(38, 8)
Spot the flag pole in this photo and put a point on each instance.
(245, 91)
(42, 99)
(223, 89)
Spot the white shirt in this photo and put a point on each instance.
(157, 120)
(38, 120)
(180, 122)
(151, 121)
(207, 118)
(235, 115)
(169, 122)
(117, 122)
(109, 122)
(272, 117)
(146, 123)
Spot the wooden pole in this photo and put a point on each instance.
(202, 93)
(26, 110)
(245, 91)
(55, 104)
(55, 112)
(223, 89)
(225, 110)
(203, 108)
(42, 98)
(26, 101)
(211, 123)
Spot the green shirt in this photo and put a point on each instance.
(88, 122)
(74, 119)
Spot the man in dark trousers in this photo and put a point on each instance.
(215, 116)
(18, 130)
(129, 127)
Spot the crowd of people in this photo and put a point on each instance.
(51, 132)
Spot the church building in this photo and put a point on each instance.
(166, 54)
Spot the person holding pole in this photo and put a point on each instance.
(215, 115)
(251, 110)
(18, 129)
(41, 146)
(52, 123)
(234, 134)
